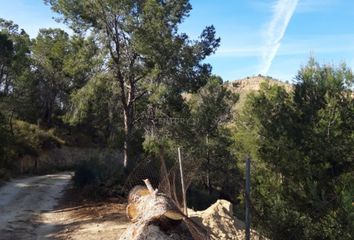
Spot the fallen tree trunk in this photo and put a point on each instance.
(156, 216)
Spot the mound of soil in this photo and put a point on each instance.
(221, 223)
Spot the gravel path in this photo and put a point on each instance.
(24, 201)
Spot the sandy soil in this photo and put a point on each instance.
(89, 222)
(221, 223)
(46, 207)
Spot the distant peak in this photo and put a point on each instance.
(253, 83)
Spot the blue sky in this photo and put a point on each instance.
(272, 37)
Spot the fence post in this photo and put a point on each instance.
(182, 182)
(247, 198)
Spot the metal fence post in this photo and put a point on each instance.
(182, 182)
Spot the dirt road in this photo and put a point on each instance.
(24, 201)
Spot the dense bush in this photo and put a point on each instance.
(21, 138)
(99, 177)
(4, 140)
(31, 139)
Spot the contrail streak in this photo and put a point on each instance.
(283, 10)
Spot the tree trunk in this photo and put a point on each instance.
(47, 117)
(128, 125)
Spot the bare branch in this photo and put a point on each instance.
(139, 96)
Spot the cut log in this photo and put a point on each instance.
(155, 216)
(142, 205)
(149, 211)
(133, 198)
(137, 192)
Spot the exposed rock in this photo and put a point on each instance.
(245, 86)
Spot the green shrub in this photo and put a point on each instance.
(85, 174)
(99, 177)
(4, 140)
(4, 174)
(20, 138)
(31, 139)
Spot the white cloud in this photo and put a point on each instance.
(318, 44)
(302, 45)
(304, 6)
(315, 5)
(283, 10)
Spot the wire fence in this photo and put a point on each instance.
(165, 177)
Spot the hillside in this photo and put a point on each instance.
(250, 84)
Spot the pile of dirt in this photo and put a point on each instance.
(221, 223)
